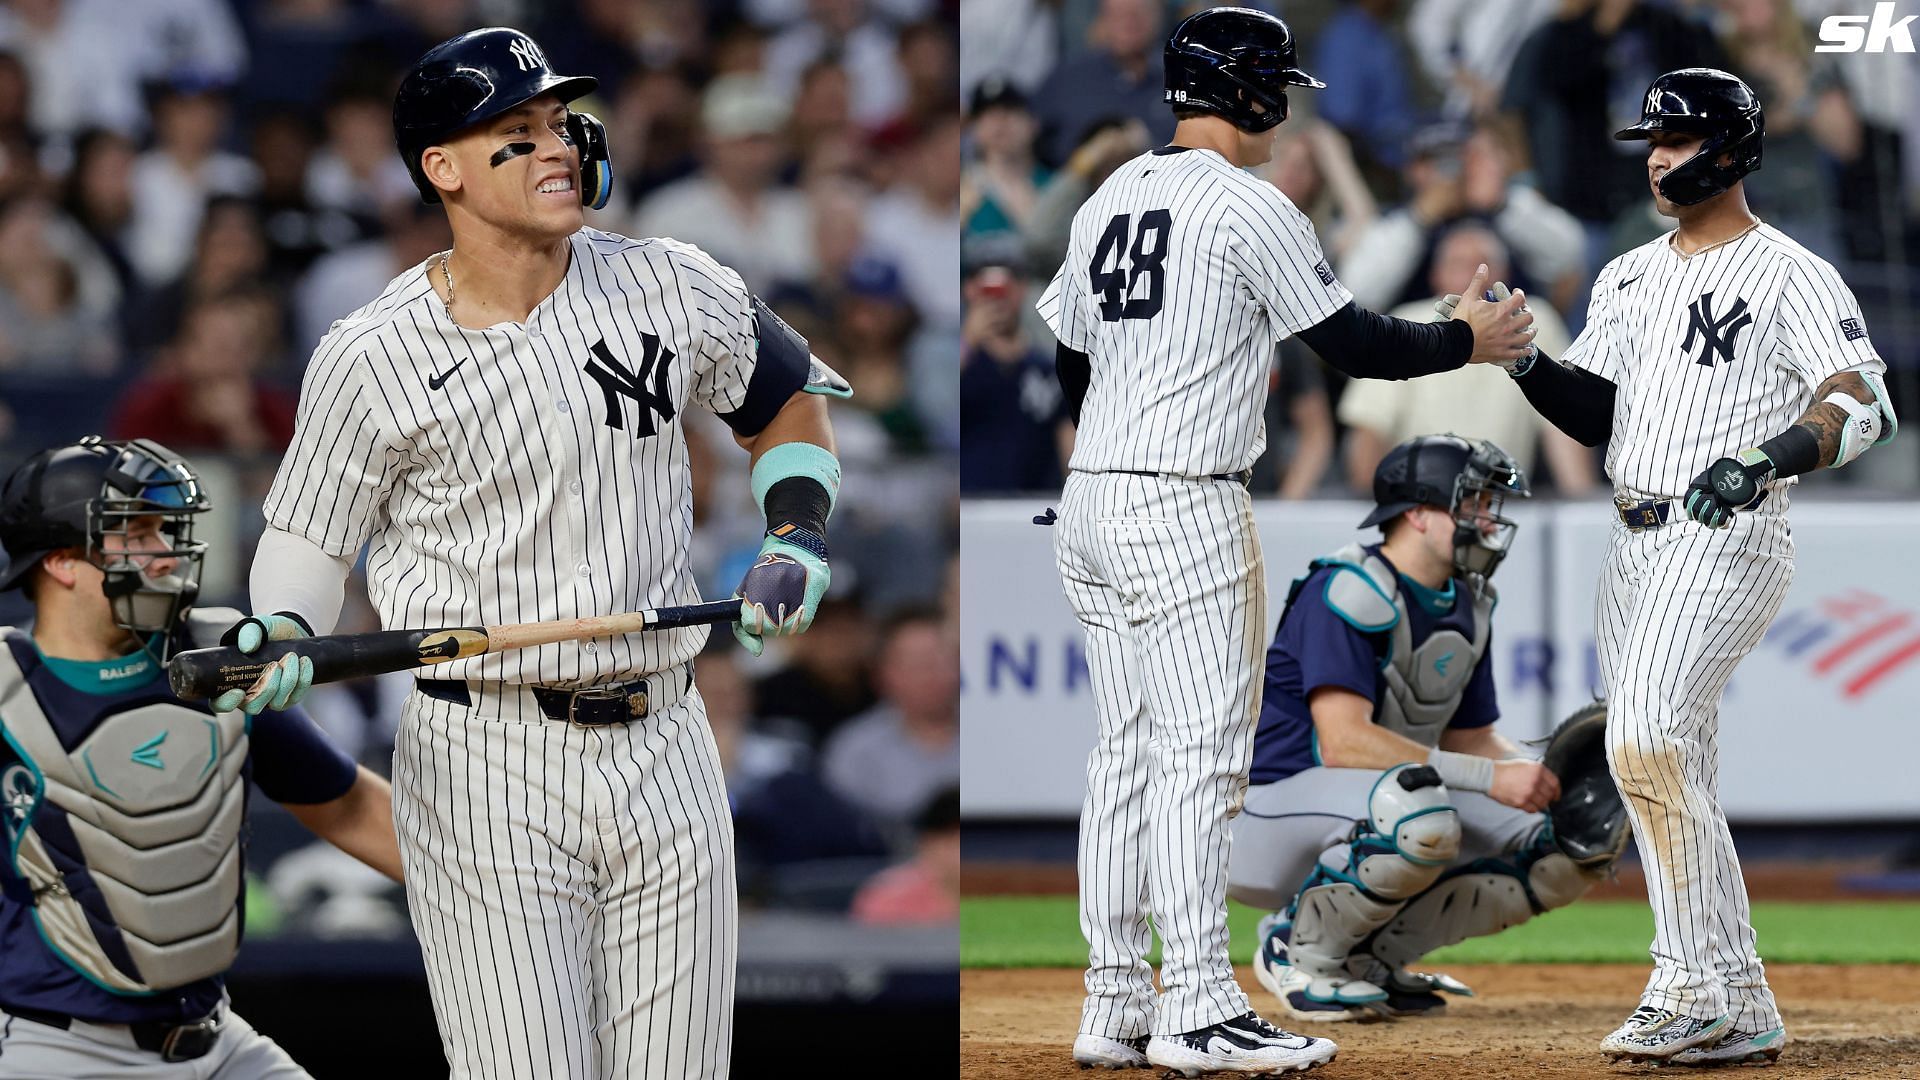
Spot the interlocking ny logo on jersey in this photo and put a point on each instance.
(1716, 335)
(526, 54)
(617, 380)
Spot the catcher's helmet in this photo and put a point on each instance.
(475, 77)
(1711, 103)
(1449, 471)
(76, 495)
(1228, 59)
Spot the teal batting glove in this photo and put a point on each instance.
(285, 681)
(782, 589)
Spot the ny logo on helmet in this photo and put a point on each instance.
(1716, 335)
(527, 54)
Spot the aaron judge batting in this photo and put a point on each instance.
(1718, 363)
(1181, 274)
(499, 426)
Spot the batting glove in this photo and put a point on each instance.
(1726, 486)
(780, 593)
(285, 681)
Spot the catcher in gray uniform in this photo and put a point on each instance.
(1387, 818)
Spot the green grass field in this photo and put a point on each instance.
(1044, 931)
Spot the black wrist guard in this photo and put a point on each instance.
(797, 509)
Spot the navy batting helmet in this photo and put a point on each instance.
(1228, 60)
(475, 77)
(75, 496)
(1453, 472)
(1710, 103)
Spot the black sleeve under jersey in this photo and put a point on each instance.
(1075, 372)
(1574, 400)
(1365, 345)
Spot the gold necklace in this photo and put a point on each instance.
(1670, 243)
(446, 271)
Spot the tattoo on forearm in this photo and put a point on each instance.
(1828, 422)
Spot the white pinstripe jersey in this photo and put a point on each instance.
(1182, 273)
(1713, 353)
(523, 472)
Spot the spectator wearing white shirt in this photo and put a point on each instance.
(734, 208)
(865, 46)
(1463, 173)
(916, 225)
(173, 181)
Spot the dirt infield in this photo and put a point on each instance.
(1534, 1021)
(1766, 880)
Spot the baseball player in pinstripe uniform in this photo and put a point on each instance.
(122, 893)
(499, 428)
(1181, 273)
(1718, 362)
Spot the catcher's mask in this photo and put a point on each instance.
(100, 496)
(1471, 477)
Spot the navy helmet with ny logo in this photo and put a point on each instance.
(469, 79)
(1719, 108)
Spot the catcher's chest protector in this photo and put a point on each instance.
(1424, 682)
(123, 824)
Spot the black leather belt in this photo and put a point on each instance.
(173, 1042)
(594, 706)
(1243, 477)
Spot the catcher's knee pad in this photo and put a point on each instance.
(1483, 897)
(1411, 833)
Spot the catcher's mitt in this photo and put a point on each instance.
(1589, 820)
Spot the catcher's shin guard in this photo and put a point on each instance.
(1412, 833)
(1484, 897)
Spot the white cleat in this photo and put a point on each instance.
(1654, 1034)
(1244, 1044)
(1100, 1052)
(1737, 1047)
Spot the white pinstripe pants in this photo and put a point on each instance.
(1679, 607)
(1166, 578)
(572, 888)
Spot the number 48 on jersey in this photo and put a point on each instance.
(1144, 261)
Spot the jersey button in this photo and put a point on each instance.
(591, 646)
(585, 570)
(563, 406)
(573, 486)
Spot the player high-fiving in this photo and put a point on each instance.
(1181, 274)
(1718, 362)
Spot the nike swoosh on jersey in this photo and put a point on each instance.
(435, 382)
(1631, 280)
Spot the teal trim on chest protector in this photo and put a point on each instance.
(136, 669)
(792, 459)
(17, 830)
(1434, 602)
(1327, 595)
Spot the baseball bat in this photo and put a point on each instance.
(208, 673)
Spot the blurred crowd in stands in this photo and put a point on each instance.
(1451, 132)
(192, 191)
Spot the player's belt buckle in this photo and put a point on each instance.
(608, 705)
(189, 1042)
(1640, 516)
